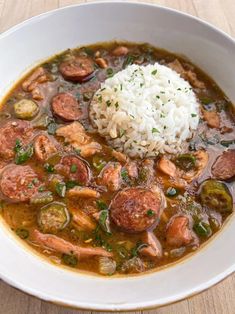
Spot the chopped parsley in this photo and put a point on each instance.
(124, 174)
(41, 189)
(122, 132)
(73, 168)
(154, 72)
(23, 154)
(104, 220)
(49, 168)
(193, 115)
(22, 233)
(109, 72)
(154, 130)
(108, 103)
(17, 145)
(129, 60)
(150, 213)
(60, 189)
(101, 205)
(71, 184)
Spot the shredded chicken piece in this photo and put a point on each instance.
(84, 192)
(212, 118)
(60, 245)
(119, 156)
(154, 248)
(188, 75)
(132, 169)
(75, 134)
(82, 220)
(167, 167)
(179, 178)
(39, 76)
(201, 162)
(110, 176)
(179, 231)
(36, 94)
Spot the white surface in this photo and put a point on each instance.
(39, 38)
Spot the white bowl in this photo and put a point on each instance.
(40, 37)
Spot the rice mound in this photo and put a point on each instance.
(145, 110)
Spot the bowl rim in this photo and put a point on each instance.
(122, 307)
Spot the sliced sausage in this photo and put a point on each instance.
(10, 132)
(75, 169)
(178, 231)
(19, 183)
(78, 69)
(135, 209)
(44, 147)
(224, 166)
(66, 107)
(110, 176)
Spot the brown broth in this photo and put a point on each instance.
(23, 215)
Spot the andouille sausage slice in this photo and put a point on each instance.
(75, 169)
(224, 166)
(78, 69)
(135, 209)
(10, 132)
(66, 107)
(44, 147)
(19, 183)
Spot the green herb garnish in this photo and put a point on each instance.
(23, 154)
(109, 72)
(154, 130)
(73, 168)
(69, 260)
(71, 184)
(124, 175)
(150, 213)
(202, 229)
(60, 188)
(129, 60)
(101, 205)
(49, 168)
(22, 233)
(104, 220)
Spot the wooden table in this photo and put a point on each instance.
(217, 300)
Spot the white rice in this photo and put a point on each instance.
(145, 110)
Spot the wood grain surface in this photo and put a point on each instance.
(219, 299)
